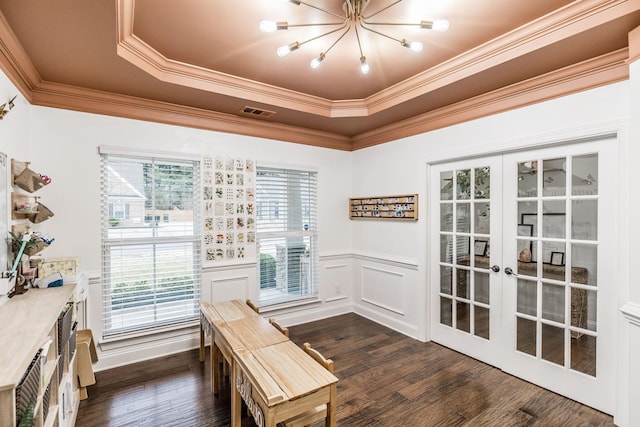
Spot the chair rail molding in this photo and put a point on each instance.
(631, 312)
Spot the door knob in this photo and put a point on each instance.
(495, 268)
(509, 272)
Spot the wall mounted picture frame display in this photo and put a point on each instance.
(385, 207)
(229, 203)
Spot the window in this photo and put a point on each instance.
(150, 268)
(286, 234)
(119, 210)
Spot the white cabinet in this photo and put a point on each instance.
(27, 323)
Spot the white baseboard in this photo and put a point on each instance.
(391, 323)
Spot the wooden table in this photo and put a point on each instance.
(276, 378)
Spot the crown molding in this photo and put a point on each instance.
(634, 45)
(606, 69)
(565, 22)
(14, 61)
(559, 25)
(92, 101)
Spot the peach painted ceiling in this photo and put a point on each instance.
(200, 63)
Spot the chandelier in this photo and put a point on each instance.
(352, 19)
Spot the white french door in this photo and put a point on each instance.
(466, 241)
(523, 255)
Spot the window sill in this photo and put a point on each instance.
(141, 337)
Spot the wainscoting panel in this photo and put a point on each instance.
(226, 288)
(389, 291)
(384, 288)
(337, 284)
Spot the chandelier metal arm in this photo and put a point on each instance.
(325, 34)
(381, 10)
(286, 26)
(337, 40)
(358, 38)
(378, 32)
(404, 24)
(317, 8)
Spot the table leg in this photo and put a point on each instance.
(201, 343)
(236, 399)
(214, 358)
(330, 421)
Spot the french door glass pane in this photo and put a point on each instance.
(463, 316)
(446, 185)
(481, 218)
(445, 279)
(446, 217)
(526, 336)
(481, 322)
(553, 302)
(462, 250)
(554, 177)
(463, 284)
(584, 217)
(586, 256)
(482, 187)
(527, 179)
(553, 344)
(554, 219)
(583, 350)
(463, 218)
(446, 311)
(446, 248)
(481, 287)
(463, 179)
(583, 312)
(527, 297)
(585, 175)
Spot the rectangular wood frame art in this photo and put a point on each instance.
(387, 207)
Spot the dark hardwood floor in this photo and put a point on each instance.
(386, 379)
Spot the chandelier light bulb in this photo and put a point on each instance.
(364, 67)
(283, 51)
(315, 62)
(414, 46)
(441, 25)
(268, 26)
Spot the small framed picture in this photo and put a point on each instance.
(480, 248)
(557, 258)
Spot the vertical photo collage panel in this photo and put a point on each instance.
(229, 208)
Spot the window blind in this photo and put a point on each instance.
(151, 243)
(286, 234)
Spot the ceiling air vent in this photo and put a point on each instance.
(257, 112)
